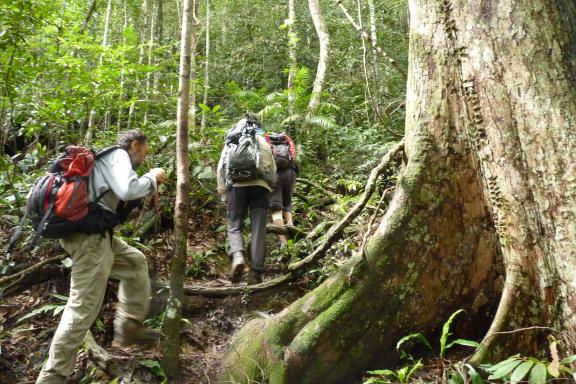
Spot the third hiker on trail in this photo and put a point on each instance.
(284, 152)
(246, 174)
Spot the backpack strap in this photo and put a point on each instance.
(105, 151)
(44, 219)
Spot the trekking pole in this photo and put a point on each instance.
(156, 211)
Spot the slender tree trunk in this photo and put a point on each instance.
(206, 66)
(90, 130)
(143, 32)
(292, 63)
(159, 41)
(150, 45)
(366, 36)
(107, 23)
(373, 33)
(486, 193)
(89, 14)
(324, 38)
(193, 67)
(122, 71)
(171, 326)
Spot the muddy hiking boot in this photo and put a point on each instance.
(134, 333)
(236, 266)
(254, 277)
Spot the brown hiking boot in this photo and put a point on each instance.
(236, 266)
(133, 333)
(254, 277)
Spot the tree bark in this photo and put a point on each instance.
(91, 126)
(171, 325)
(487, 190)
(324, 39)
(193, 67)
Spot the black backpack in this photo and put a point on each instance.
(243, 162)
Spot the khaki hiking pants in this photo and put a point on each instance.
(94, 259)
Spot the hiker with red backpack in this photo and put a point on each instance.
(245, 174)
(108, 179)
(284, 152)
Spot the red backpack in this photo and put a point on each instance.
(59, 202)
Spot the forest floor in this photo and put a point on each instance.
(207, 329)
(208, 323)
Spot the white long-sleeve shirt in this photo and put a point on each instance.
(114, 172)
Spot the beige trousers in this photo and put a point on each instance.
(94, 259)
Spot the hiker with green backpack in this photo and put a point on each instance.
(96, 184)
(246, 173)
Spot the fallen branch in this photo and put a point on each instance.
(27, 271)
(287, 230)
(319, 230)
(149, 223)
(316, 186)
(234, 290)
(336, 229)
(47, 273)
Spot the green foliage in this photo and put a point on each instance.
(156, 369)
(55, 308)
(444, 345)
(401, 375)
(518, 369)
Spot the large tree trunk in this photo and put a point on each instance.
(487, 189)
(172, 320)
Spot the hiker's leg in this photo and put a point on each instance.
(237, 205)
(276, 206)
(92, 260)
(258, 219)
(277, 219)
(131, 268)
(287, 192)
(288, 218)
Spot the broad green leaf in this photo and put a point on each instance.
(446, 331)
(465, 342)
(568, 360)
(37, 311)
(58, 309)
(384, 372)
(474, 375)
(521, 371)
(61, 297)
(415, 367)
(502, 363)
(538, 374)
(418, 336)
(504, 370)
